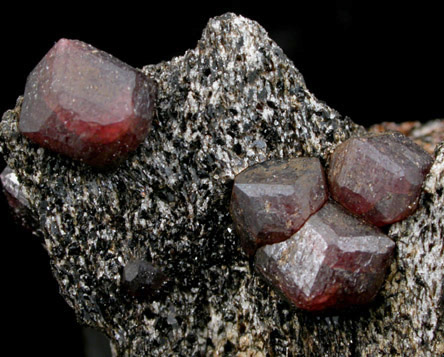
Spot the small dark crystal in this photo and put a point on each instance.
(141, 278)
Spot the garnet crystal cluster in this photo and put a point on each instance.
(319, 253)
(86, 104)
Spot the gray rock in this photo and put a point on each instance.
(233, 101)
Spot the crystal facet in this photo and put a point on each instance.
(141, 278)
(333, 261)
(272, 200)
(378, 177)
(86, 104)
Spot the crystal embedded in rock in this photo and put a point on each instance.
(17, 200)
(86, 104)
(141, 278)
(333, 261)
(378, 177)
(272, 200)
(13, 188)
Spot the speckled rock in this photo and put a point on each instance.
(233, 101)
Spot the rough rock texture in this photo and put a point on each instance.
(233, 101)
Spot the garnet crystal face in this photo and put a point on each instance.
(378, 177)
(272, 200)
(86, 104)
(334, 260)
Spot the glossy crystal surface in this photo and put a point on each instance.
(272, 200)
(86, 104)
(334, 260)
(378, 177)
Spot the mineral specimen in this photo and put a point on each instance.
(86, 104)
(141, 278)
(378, 177)
(232, 101)
(272, 200)
(334, 260)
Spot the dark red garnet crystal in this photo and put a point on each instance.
(333, 261)
(86, 104)
(378, 177)
(272, 200)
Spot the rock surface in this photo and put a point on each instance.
(231, 102)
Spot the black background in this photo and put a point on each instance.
(373, 63)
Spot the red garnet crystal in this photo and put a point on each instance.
(272, 200)
(86, 104)
(379, 177)
(333, 261)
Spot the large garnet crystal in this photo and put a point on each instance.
(333, 261)
(379, 177)
(273, 199)
(86, 104)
